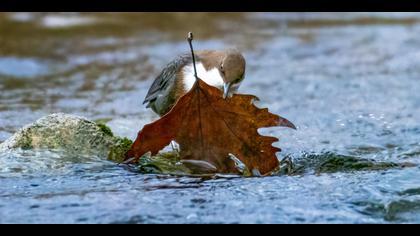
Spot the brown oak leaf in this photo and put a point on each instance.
(209, 128)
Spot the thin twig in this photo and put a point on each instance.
(190, 38)
(197, 87)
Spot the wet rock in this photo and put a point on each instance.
(162, 163)
(170, 163)
(71, 134)
(331, 162)
(340, 163)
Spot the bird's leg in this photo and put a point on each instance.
(174, 146)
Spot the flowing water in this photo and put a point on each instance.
(350, 82)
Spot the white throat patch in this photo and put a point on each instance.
(211, 77)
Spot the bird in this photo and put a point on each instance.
(223, 69)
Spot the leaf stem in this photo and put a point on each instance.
(190, 38)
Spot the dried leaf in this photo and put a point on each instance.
(209, 128)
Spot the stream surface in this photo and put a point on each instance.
(350, 82)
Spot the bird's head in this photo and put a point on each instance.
(232, 70)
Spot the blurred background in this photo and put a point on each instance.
(350, 82)
(100, 65)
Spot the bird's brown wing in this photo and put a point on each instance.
(168, 75)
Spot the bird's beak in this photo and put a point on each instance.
(226, 88)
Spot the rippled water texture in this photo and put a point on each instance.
(349, 81)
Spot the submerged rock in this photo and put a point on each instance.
(331, 162)
(70, 134)
(341, 163)
(162, 163)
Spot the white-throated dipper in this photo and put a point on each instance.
(223, 69)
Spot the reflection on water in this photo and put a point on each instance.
(349, 81)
